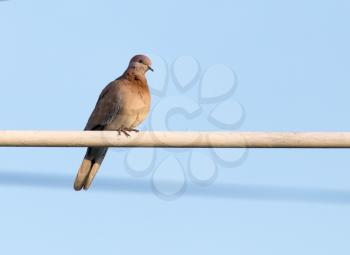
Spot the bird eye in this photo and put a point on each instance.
(140, 61)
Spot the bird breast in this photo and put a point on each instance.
(134, 107)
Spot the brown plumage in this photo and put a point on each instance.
(122, 106)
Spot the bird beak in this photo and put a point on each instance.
(150, 68)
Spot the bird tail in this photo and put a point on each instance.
(83, 173)
(89, 167)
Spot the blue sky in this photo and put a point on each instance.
(290, 60)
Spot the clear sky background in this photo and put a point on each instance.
(291, 60)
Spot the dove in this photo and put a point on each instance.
(122, 105)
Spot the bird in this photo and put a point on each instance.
(122, 105)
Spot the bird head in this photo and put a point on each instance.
(141, 63)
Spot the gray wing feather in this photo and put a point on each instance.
(107, 107)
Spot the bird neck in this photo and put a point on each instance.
(133, 74)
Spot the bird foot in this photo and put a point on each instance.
(124, 131)
(134, 130)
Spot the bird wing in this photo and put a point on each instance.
(107, 107)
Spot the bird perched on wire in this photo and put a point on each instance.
(122, 105)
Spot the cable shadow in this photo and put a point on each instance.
(217, 191)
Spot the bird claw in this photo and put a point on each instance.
(124, 131)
